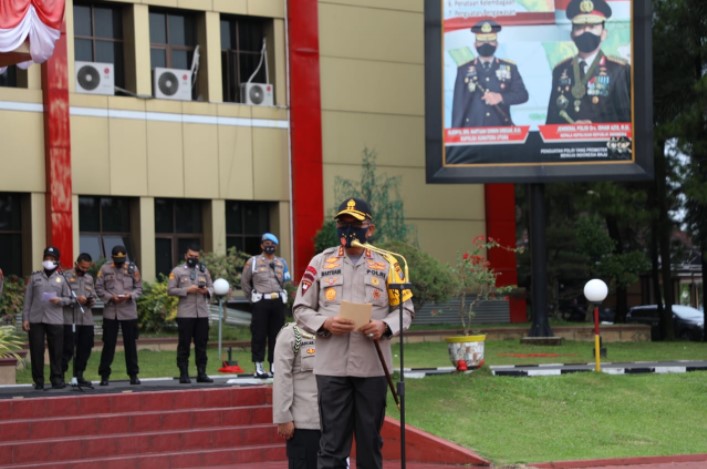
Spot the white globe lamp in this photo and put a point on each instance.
(595, 290)
(221, 286)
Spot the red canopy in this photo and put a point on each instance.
(38, 21)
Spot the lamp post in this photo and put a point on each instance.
(595, 291)
(221, 288)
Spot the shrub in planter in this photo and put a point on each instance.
(12, 299)
(156, 309)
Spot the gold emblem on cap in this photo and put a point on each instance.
(351, 205)
(586, 6)
(486, 27)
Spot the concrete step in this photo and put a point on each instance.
(136, 444)
(127, 422)
(269, 455)
(127, 402)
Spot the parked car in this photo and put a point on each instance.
(687, 321)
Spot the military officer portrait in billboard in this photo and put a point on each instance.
(590, 86)
(486, 87)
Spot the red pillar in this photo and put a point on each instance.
(305, 130)
(501, 226)
(57, 151)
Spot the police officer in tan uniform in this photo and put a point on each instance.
(78, 318)
(350, 378)
(263, 282)
(42, 316)
(294, 396)
(191, 282)
(119, 285)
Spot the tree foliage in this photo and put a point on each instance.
(382, 193)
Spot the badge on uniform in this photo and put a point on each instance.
(330, 294)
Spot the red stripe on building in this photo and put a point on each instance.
(501, 226)
(57, 151)
(306, 130)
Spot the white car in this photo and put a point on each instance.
(688, 321)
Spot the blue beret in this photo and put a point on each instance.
(270, 237)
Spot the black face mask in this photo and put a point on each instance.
(486, 50)
(587, 42)
(348, 233)
(192, 261)
(80, 272)
(269, 249)
(118, 261)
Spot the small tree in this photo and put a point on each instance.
(382, 194)
(431, 280)
(476, 277)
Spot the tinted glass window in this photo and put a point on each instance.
(104, 222)
(245, 224)
(241, 45)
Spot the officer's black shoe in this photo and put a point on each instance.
(85, 384)
(104, 381)
(39, 386)
(184, 379)
(58, 385)
(203, 378)
(134, 380)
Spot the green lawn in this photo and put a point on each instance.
(520, 420)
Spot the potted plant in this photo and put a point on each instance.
(476, 283)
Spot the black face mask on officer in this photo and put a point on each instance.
(269, 249)
(118, 261)
(587, 42)
(486, 49)
(347, 233)
(192, 261)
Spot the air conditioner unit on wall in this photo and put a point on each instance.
(257, 94)
(170, 83)
(94, 77)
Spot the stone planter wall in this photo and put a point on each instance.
(8, 368)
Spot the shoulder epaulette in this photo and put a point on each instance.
(618, 60)
(507, 61)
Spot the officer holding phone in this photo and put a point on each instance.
(191, 282)
(119, 285)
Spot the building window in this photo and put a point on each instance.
(245, 224)
(104, 222)
(98, 36)
(11, 234)
(241, 49)
(9, 76)
(178, 224)
(172, 39)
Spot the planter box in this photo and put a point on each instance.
(8, 370)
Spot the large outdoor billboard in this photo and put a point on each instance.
(537, 90)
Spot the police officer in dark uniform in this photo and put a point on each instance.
(486, 87)
(119, 285)
(591, 86)
(45, 297)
